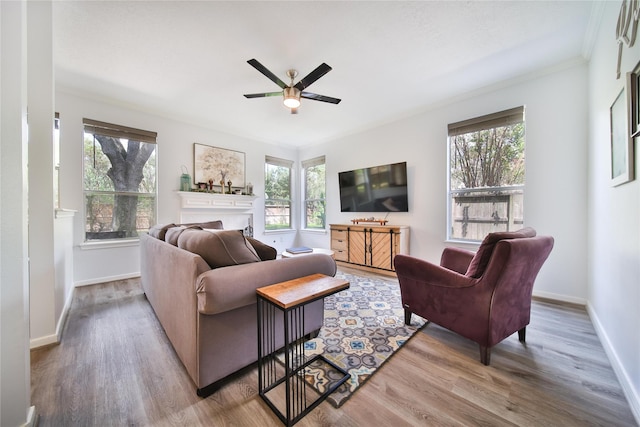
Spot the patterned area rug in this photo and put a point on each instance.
(363, 327)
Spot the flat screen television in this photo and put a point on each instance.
(374, 189)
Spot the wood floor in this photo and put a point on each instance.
(115, 367)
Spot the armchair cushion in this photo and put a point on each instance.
(481, 259)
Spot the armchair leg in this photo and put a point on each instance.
(407, 317)
(485, 355)
(522, 333)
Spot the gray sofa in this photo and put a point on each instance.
(209, 314)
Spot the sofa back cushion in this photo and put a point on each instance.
(218, 248)
(481, 258)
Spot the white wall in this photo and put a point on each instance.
(614, 215)
(41, 203)
(175, 148)
(15, 387)
(556, 171)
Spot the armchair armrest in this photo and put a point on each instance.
(456, 259)
(430, 274)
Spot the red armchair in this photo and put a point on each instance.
(485, 296)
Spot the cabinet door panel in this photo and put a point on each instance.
(357, 251)
(381, 250)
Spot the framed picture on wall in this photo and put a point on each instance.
(218, 164)
(633, 95)
(621, 142)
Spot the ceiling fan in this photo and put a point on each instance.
(292, 93)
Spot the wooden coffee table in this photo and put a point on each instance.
(282, 306)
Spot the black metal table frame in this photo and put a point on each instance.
(295, 387)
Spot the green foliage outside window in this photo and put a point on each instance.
(315, 196)
(277, 205)
(487, 175)
(119, 187)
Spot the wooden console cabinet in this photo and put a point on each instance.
(369, 247)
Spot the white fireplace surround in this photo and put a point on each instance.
(235, 211)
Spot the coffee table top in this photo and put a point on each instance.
(302, 290)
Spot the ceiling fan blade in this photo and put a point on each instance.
(322, 98)
(258, 66)
(262, 95)
(312, 76)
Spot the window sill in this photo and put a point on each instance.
(109, 244)
(314, 230)
(282, 231)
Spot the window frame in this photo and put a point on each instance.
(490, 121)
(93, 127)
(305, 165)
(283, 163)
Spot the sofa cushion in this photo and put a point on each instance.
(159, 231)
(213, 225)
(174, 233)
(483, 255)
(219, 248)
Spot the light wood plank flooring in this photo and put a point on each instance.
(115, 367)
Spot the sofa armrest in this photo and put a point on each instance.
(227, 288)
(456, 259)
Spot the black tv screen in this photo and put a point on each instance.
(375, 189)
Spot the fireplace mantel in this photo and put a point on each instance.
(215, 201)
(234, 210)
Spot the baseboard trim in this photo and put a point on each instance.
(54, 339)
(32, 417)
(560, 297)
(105, 279)
(625, 381)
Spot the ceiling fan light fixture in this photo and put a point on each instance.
(291, 97)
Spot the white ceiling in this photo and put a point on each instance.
(390, 59)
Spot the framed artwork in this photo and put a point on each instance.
(621, 142)
(218, 164)
(633, 95)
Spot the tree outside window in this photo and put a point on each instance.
(277, 187)
(119, 181)
(486, 175)
(314, 193)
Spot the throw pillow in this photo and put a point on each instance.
(483, 255)
(264, 251)
(159, 231)
(174, 233)
(220, 248)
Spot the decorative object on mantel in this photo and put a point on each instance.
(185, 180)
(249, 189)
(213, 164)
(626, 28)
(370, 221)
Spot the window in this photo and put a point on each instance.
(486, 175)
(277, 188)
(119, 180)
(314, 193)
